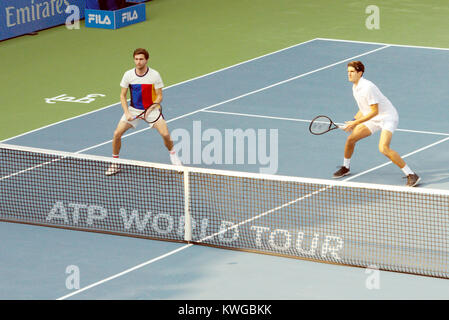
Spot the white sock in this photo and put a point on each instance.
(115, 156)
(174, 158)
(346, 162)
(406, 170)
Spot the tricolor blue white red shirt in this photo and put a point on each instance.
(142, 88)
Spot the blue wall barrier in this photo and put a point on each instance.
(18, 17)
(115, 19)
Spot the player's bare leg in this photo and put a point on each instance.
(360, 132)
(384, 148)
(122, 127)
(161, 126)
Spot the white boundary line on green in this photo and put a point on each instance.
(187, 246)
(226, 68)
(382, 44)
(166, 88)
(241, 96)
(203, 109)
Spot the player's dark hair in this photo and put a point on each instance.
(141, 51)
(357, 65)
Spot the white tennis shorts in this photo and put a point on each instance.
(374, 125)
(134, 112)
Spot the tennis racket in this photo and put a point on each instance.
(151, 114)
(322, 124)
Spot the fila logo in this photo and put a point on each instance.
(127, 16)
(97, 18)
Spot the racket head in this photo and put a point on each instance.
(321, 124)
(153, 113)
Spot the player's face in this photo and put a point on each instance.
(353, 75)
(140, 61)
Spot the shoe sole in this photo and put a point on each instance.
(111, 174)
(416, 182)
(345, 174)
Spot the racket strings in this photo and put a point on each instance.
(320, 125)
(152, 113)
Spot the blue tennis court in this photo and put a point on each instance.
(273, 97)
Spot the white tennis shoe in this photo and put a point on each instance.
(113, 169)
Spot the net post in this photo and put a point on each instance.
(187, 217)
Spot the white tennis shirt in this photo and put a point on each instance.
(367, 93)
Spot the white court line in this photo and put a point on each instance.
(186, 246)
(189, 245)
(166, 88)
(56, 123)
(246, 221)
(206, 108)
(203, 109)
(403, 157)
(126, 271)
(382, 44)
(199, 110)
(232, 99)
(223, 69)
(238, 97)
(304, 120)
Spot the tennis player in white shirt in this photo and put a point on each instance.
(376, 113)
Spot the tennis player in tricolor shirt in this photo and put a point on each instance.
(145, 86)
(376, 113)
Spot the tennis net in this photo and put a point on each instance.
(366, 225)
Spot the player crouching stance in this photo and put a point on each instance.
(375, 113)
(145, 86)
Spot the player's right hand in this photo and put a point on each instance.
(349, 126)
